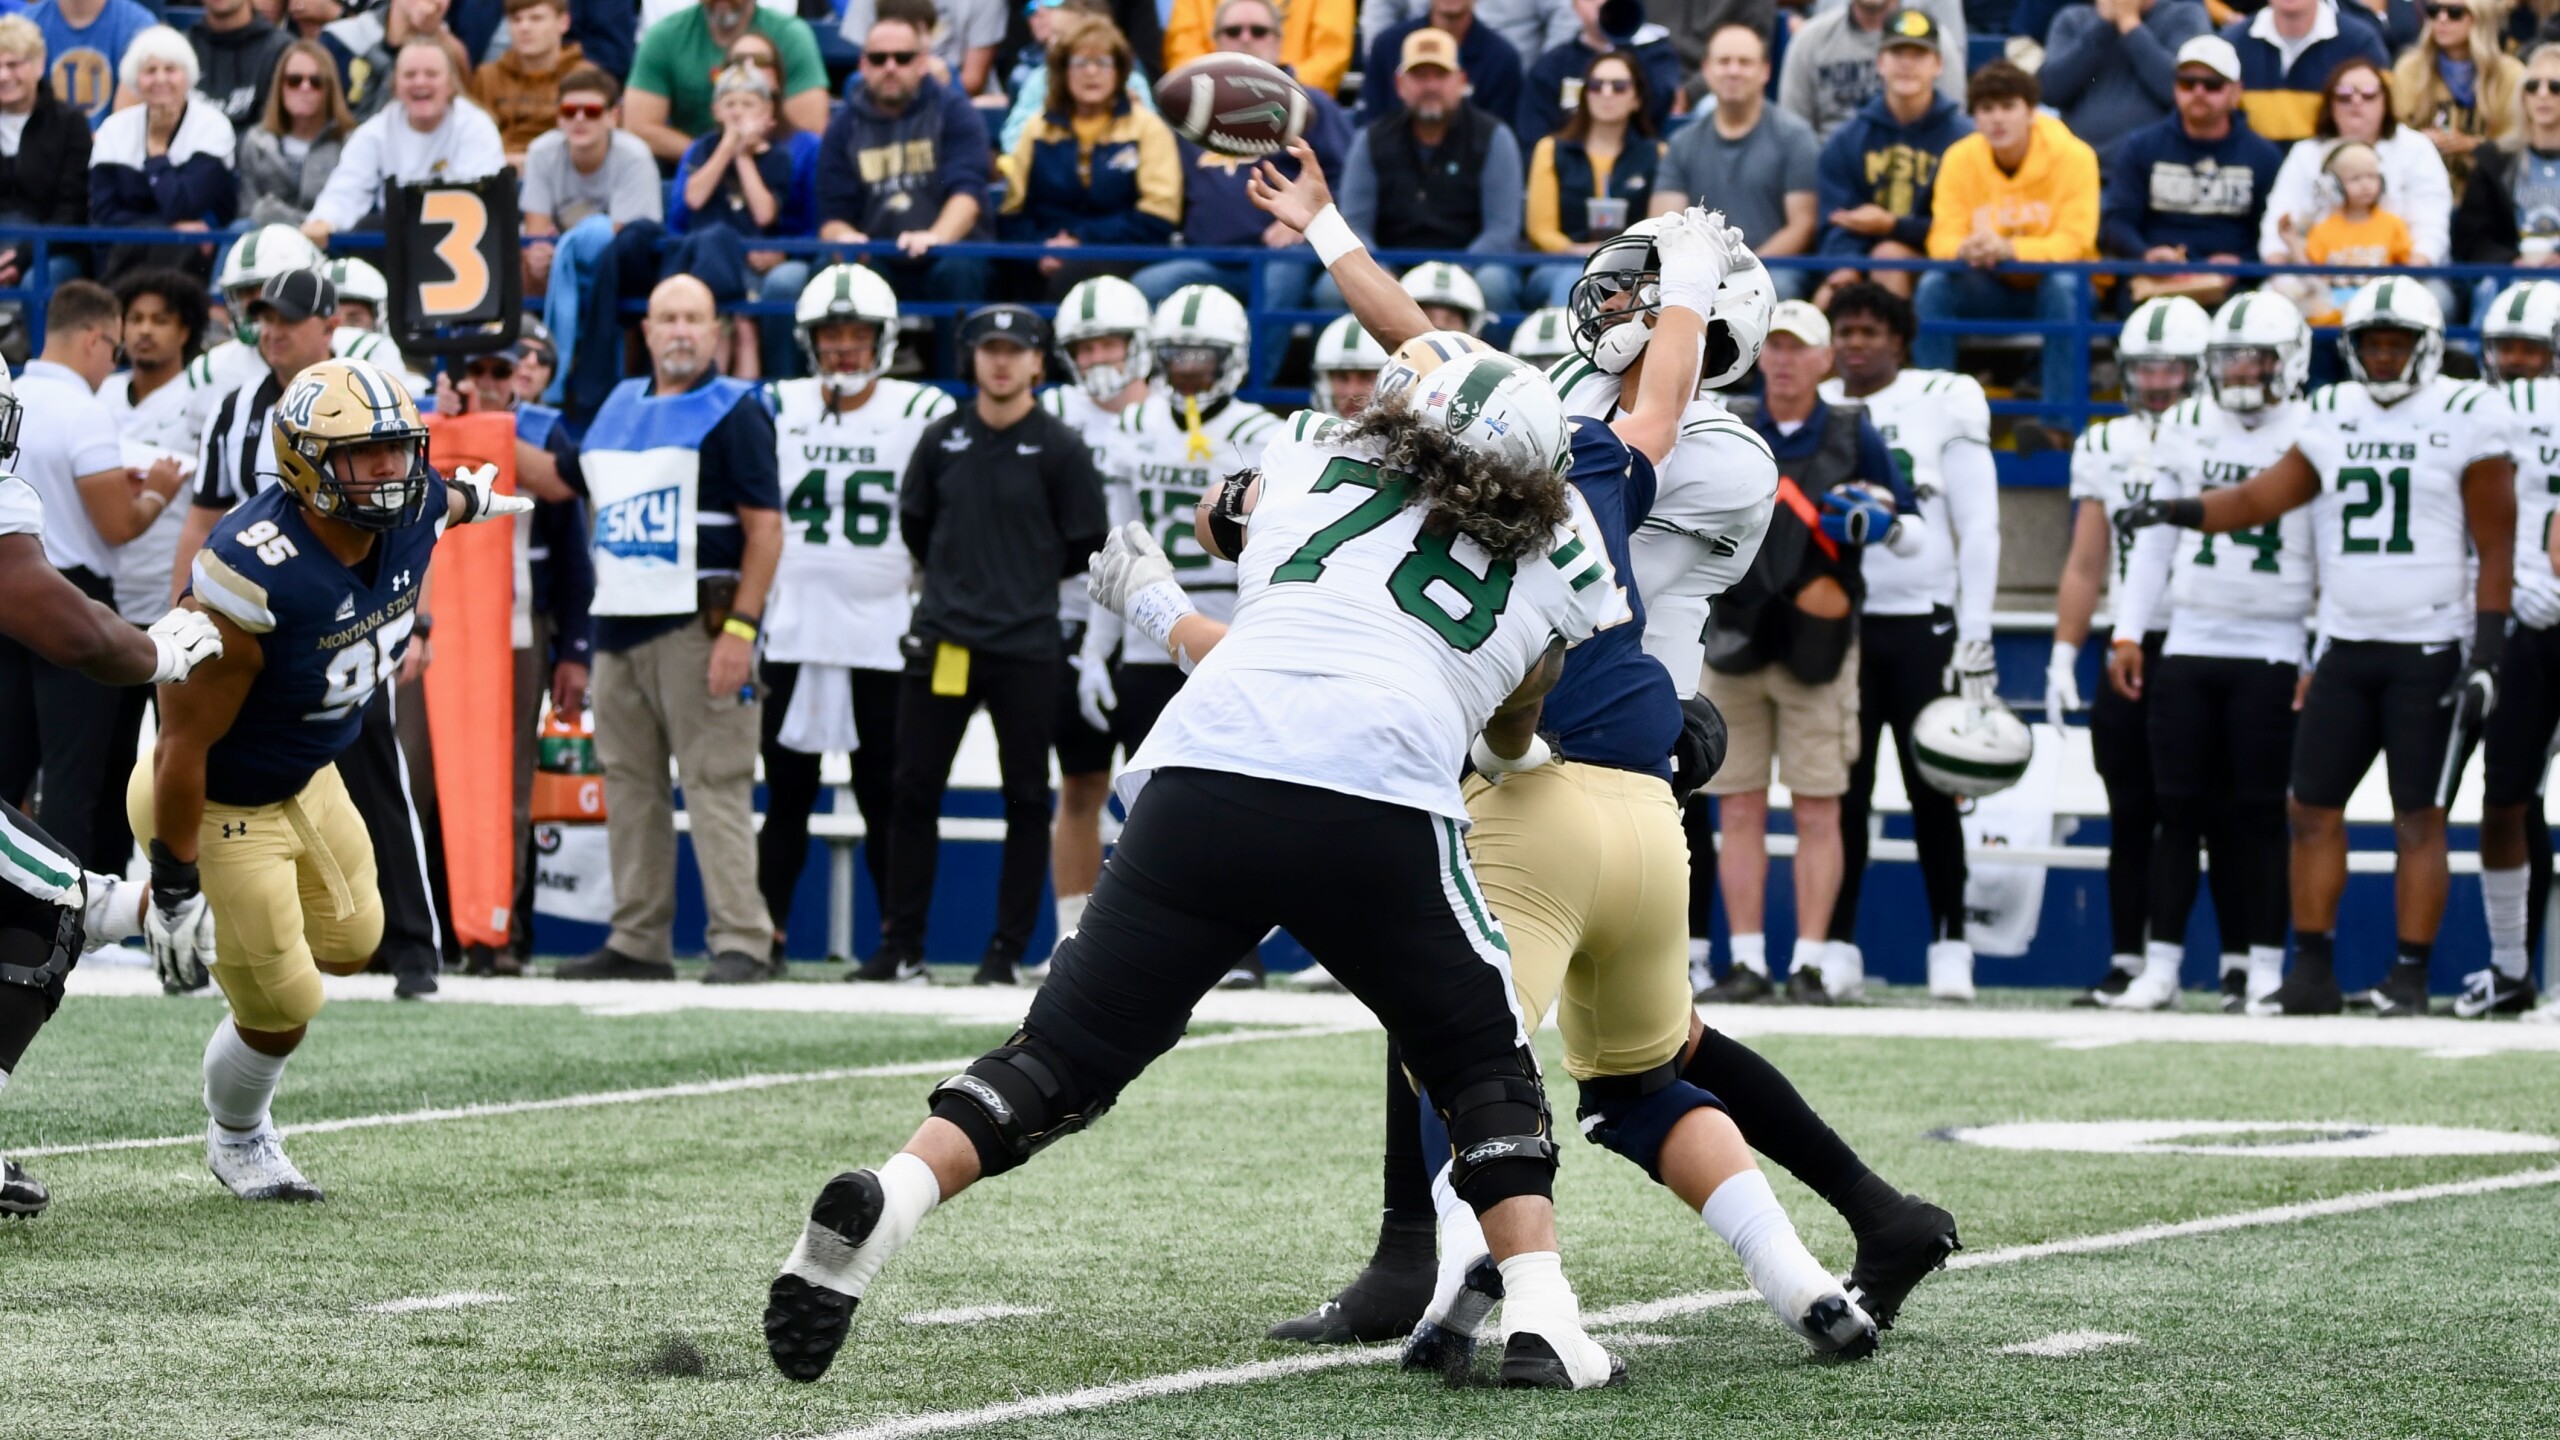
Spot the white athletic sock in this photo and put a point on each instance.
(2502, 897)
(2266, 970)
(1699, 948)
(1537, 1299)
(1746, 1214)
(2167, 956)
(2129, 964)
(1462, 1244)
(908, 1192)
(2234, 960)
(1751, 952)
(1811, 955)
(238, 1081)
(1070, 913)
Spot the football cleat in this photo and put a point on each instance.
(1804, 987)
(1385, 1300)
(2147, 993)
(2402, 993)
(2235, 991)
(2486, 993)
(1833, 1325)
(2312, 989)
(1741, 985)
(20, 1192)
(1530, 1362)
(1246, 974)
(994, 969)
(612, 964)
(2105, 990)
(1318, 978)
(806, 1317)
(888, 967)
(1951, 971)
(1447, 1346)
(1912, 1242)
(253, 1166)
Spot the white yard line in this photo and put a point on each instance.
(2069, 1343)
(456, 1300)
(1099, 1397)
(1287, 1005)
(687, 1091)
(972, 1314)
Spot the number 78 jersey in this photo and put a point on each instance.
(840, 592)
(1366, 653)
(2393, 539)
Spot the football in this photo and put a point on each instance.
(1233, 104)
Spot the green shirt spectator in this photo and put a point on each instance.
(668, 101)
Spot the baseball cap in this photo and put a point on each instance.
(1429, 46)
(297, 295)
(533, 339)
(2213, 53)
(1910, 27)
(1800, 319)
(1017, 323)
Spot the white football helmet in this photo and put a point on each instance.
(253, 260)
(1423, 354)
(1199, 318)
(1737, 325)
(2169, 330)
(1498, 406)
(848, 293)
(2528, 310)
(1438, 282)
(11, 412)
(1103, 306)
(1545, 337)
(2393, 303)
(1345, 349)
(1970, 748)
(360, 282)
(2257, 354)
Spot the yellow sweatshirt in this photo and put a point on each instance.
(2048, 210)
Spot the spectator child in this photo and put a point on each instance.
(287, 156)
(2357, 232)
(2355, 104)
(755, 179)
(521, 89)
(669, 97)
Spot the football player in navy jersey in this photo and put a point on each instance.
(313, 586)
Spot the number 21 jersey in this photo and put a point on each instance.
(840, 591)
(2393, 540)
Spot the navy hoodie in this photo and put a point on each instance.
(919, 158)
(1877, 160)
(2163, 188)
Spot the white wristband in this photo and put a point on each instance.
(2065, 655)
(1493, 767)
(1154, 611)
(1331, 235)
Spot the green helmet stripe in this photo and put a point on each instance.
(2382, 297)
(2159, 324)
(844, 286)
(1092, 296)
(2515, 312)
(1191, 308)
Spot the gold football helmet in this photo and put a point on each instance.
(337, 423)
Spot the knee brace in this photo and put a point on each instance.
(1500, 1136)
(1633, 1114)
(1014, 1101)
(40, 952)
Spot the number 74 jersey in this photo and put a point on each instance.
(840, 592)
(1367, 652)
(2393, 539)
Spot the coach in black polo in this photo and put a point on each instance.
(999, 503)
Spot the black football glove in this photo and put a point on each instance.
(2475, 689)
(1699, 752)
(2143, 514)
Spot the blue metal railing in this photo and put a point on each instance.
(2071, 411)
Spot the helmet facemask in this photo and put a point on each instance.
(2154, 384)
(1335, 398)
(1209, 373)
(2243, 378)
(2425, 346)
(2533, 357)
(1104, 381)
(842, 384)
(11, 412)
(356, 490)
(1615, 302)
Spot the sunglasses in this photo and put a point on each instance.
(883, 59)
(2209, 84)
(2536, 87)
(582, 109)
(2355, 97)
(303, 81)
(1610, 87)
(490, 370)
(1247, 32)
(2448, 12)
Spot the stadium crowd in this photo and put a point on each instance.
(664, 149)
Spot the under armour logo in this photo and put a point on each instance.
(234, 829)
(400, 581)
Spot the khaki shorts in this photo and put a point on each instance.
(1589, 871)
(293, 891)
(1812, 730)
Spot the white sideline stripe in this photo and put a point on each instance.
(455, 1300)
(1098, 1397)
(2070, 1343)
(972, 1314)
(2094, 1042)
(686, 1091)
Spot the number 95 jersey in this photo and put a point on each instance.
(2393, 538)
(1366, 653)
(840, 592)
(328, 634)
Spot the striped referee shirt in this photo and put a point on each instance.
(238, 458)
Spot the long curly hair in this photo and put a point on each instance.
(1510, 507)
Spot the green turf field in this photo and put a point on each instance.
(619, 1244)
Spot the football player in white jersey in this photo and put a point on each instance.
(1102, 326)
(2220, 688)
(1345, 369)
(839, 601)
(1926, 627)
(1544, 337)
(2160, 354)
(2408, 478)
(2517, 334)
(1367, 652)
(260, 255)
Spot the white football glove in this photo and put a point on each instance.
(1728, 240)
(1493, 767)
(1974, 673)
(1132, 579)
(180, 934)
(2537, 593)
(1094, 693)
(1693, 261)
(480, 500)
(110, 909)
(185, 640)
(2061, 682)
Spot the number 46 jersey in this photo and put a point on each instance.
(840, 592)
(1366, 653)
(2394, 541)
